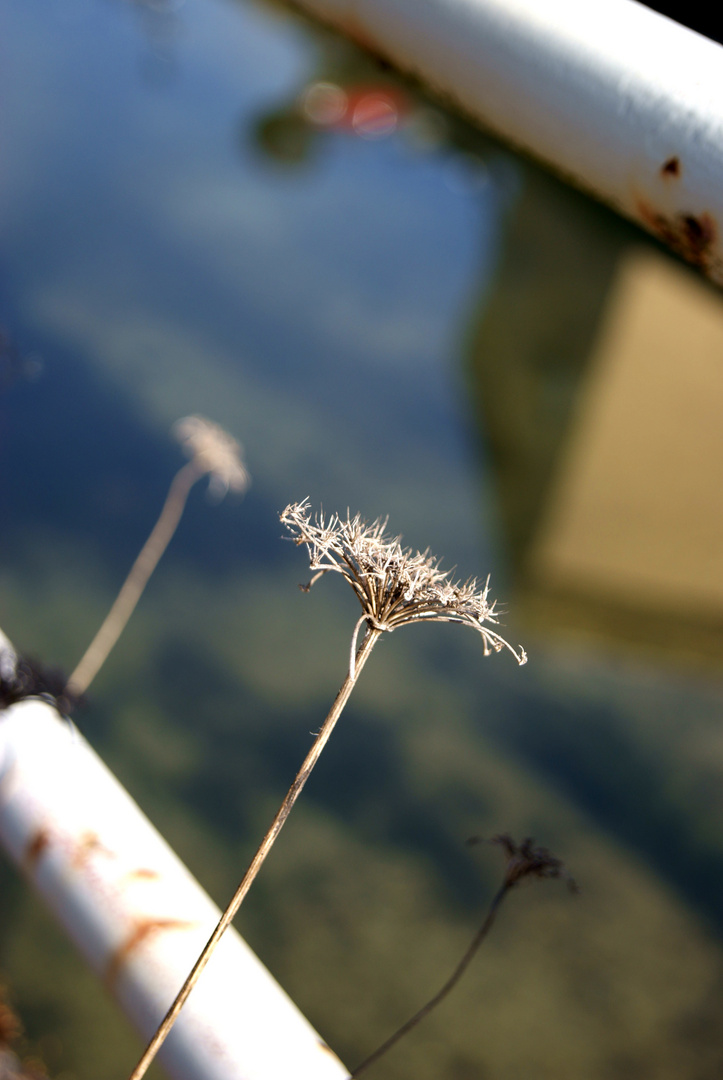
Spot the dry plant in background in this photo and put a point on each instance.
(214, 453)
(523, 861)
(395, 586)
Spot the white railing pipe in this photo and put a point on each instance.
(620, 100)
(137, 914)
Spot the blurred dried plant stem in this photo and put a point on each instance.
(135, 583)
(524, 861)
(395, 586)
(214, 453)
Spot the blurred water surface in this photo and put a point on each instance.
(213, 207)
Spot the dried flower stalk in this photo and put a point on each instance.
(213, 453)
(524, 861)
(394, 586)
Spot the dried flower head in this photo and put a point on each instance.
(215, 452)
(394, 585)
(525, 860)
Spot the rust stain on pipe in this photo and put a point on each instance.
(143, 873)
(39, 843)
(141, 932)
(88, 844)
(691, 235)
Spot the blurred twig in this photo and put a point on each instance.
(524, 860)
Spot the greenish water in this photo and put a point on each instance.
(398, 325)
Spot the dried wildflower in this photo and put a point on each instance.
(213, 453)
(394, 585)
(524, 860)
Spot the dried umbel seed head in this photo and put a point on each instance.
(215, 452)
(394, 585)
(527, 861)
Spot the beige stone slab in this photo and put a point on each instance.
(636, 511)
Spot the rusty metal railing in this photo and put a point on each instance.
(136, 913)
(621, 101)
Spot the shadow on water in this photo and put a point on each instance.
(529, 344)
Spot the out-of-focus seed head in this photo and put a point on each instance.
(215, 452)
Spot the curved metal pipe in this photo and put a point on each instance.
(621, 101)
(137, 914)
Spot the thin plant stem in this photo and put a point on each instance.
(135, 583)
(448, 986)
(283, 812)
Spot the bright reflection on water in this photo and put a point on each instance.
(210, 208)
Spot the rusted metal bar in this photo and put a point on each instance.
(621, 101)
(137, 914)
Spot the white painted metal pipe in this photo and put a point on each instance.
(620, 100)
(137, 914)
